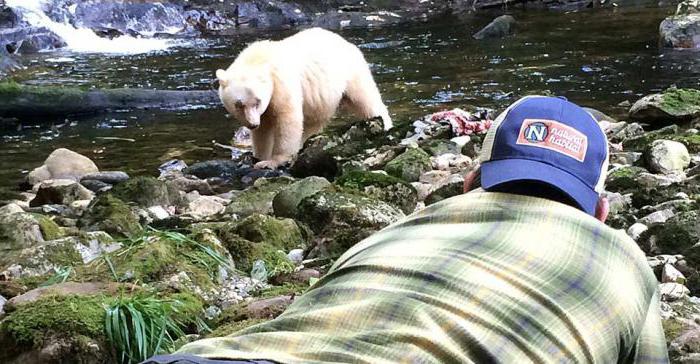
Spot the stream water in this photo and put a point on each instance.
(597, 58)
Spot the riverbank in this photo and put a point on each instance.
(217, 245)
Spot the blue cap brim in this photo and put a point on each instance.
(500, 171)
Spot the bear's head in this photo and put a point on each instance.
(245, 96)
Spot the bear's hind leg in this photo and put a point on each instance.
(364, 99)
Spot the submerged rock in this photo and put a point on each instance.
(111, 177)
(62, 164)
(500, 27)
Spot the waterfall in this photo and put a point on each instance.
(84, 40)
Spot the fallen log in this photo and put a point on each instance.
(24, 101)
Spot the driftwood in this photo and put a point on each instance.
(21, 102)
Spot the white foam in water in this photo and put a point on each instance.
(85, 40)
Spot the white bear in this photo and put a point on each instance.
(288, 90)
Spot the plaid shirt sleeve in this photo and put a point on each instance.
(650, 347)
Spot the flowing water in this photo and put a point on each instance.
(597, 58)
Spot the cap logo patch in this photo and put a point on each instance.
(555, 136)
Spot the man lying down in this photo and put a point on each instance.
(521, 269)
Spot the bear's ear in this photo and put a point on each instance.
(221, 75)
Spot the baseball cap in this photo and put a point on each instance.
(549, 140)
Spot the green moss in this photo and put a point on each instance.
(624, 178)
(409, 165)
(49, 229)
(678, 235)
(383, 187)
(258, 198)
(281, 233)
(62, 253)
(10, 87)
(360, 179)
(672, 329)
(277, 262)
(438, 147)
(112, 215)
(692, 142)
(30, 324)
(153, 258)
(642, 142)
(32, 282)
(286, 289)
(679, 101)
(190, 306)
(233, 327)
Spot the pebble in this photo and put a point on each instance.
(296, 256)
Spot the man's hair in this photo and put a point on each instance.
(528, 188)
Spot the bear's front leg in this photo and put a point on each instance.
(287, 138)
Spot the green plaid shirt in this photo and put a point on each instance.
(482, 277)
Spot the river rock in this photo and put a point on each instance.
(66, 289)
(680, 31)
(62, 164)
(147, 192)
(454, 186)
(19, 229)
(258, 198)
(672, 291)
(187, 184)
(383, 187)
(205, 206)
(658, 217)
(342, 219)
(636, 230)
(111, 177)
(109, 213)
(285, 203)
(410, 165)
(95, 185)
(671, 106)
(666, 156)
(670, 274)
(60, 191)
(262, 237)
(500, 27)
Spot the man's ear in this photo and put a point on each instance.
(602, 209)
(221, 76)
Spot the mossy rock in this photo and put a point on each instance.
(692, 142)
(673, 105)
(258, 198)
(112, 215)
(642, 142)
(381, 186)
(450, 189)
(231, 328)
(260, 237)
(21, 230)
(33, 325)
(342, 218)
(155, 258)
(655, 196)
(677, 236)
(409, 165)
(437, 147)
(147, 191)
(285, 202)
(624, 179)
(323, 155)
